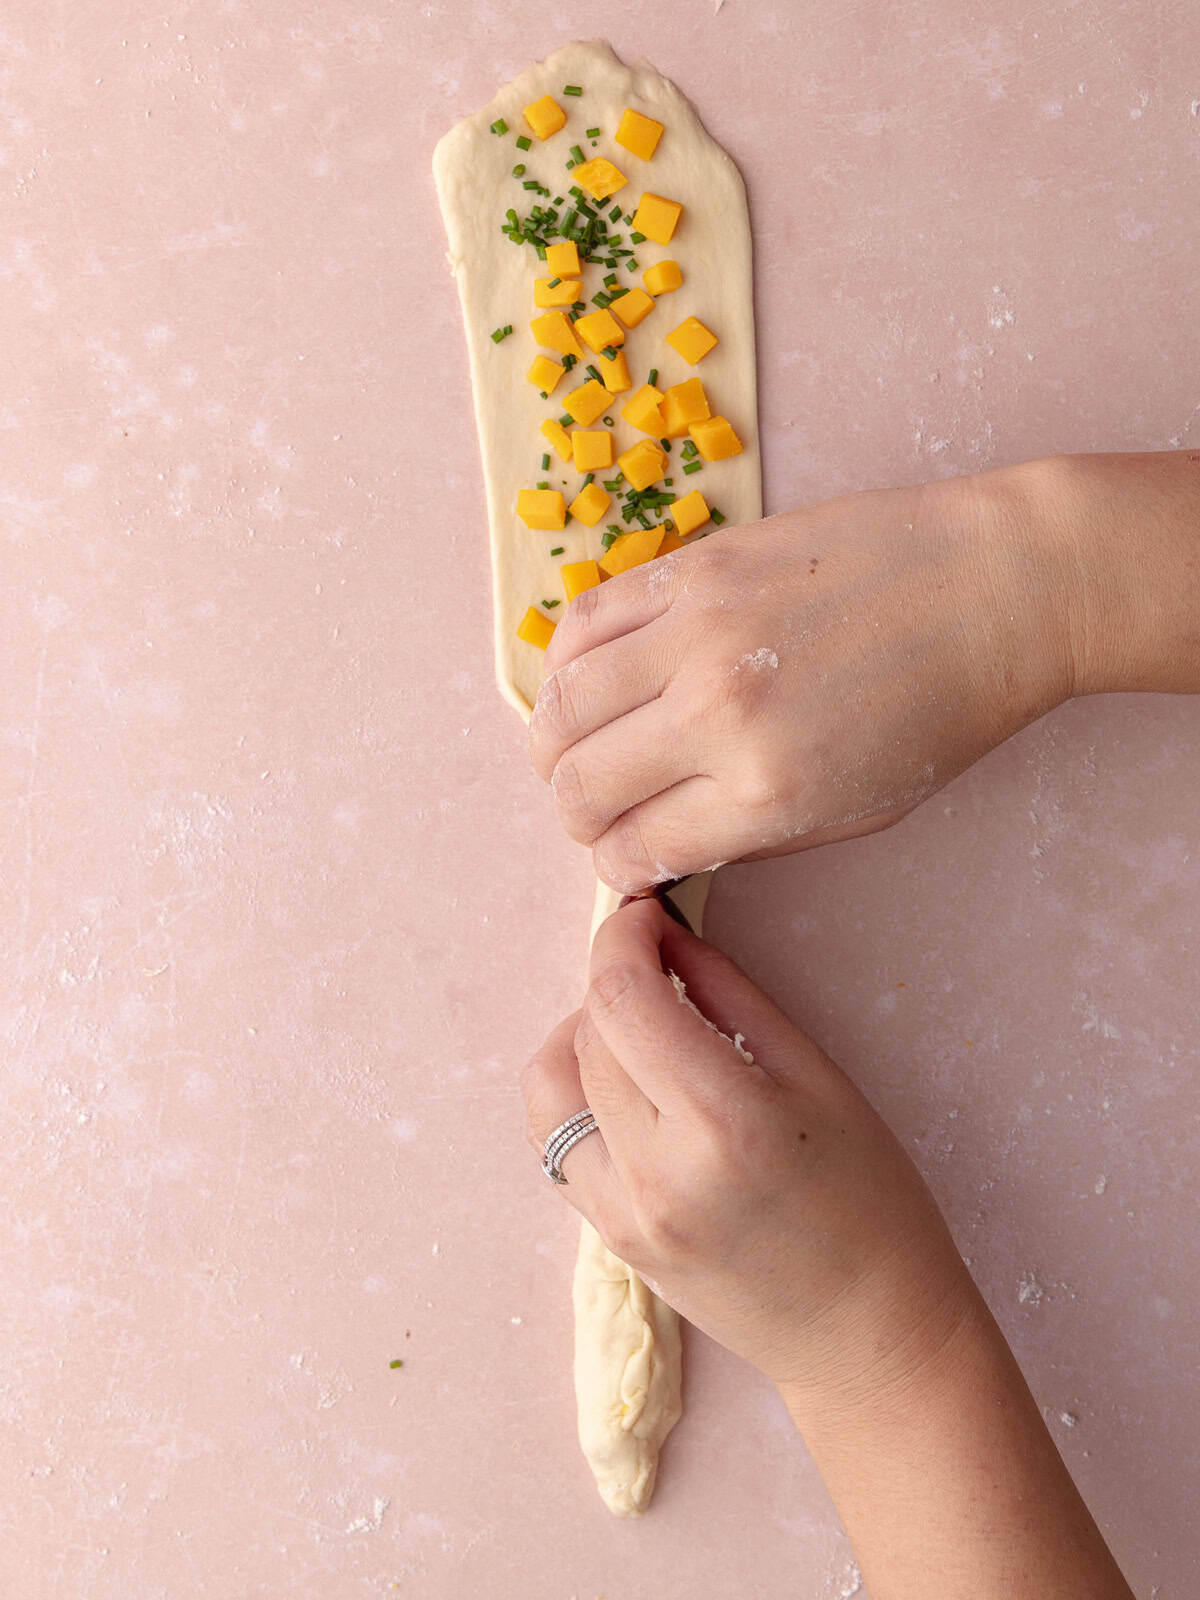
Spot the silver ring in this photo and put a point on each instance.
(565, 1137)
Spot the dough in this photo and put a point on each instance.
(627, 1347)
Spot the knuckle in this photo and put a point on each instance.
(612, 983)
(573, 798)
(556, 708)
(666, 1226)
(623, 857)
(758, 784)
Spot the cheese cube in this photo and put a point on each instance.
(544, 374)
(614, 372)
(590, 504)
(592, 449)
(580, 575)
(662, 277)
(715, 439)
(689, 513)
(657, 218)
(545, 116)
(638, 133)
(643, 413)
(558, 436)
(671, 541)
(563, 293)
(683, 404)
(643, 464)
(598, 329)
(692, 340)
(585, 404)
(631, 550)
(600, 178)
(562, 260)
(541, 508)
(535, 628)
(555, 329)
(633, 306)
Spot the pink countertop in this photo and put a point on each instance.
(284, 909)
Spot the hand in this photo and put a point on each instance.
(808, 678)
(765, 1201)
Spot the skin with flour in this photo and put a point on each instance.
(627, 1365)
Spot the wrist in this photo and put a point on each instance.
(1120, 536)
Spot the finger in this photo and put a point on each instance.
(553, 1092)
(665, 1046)
(620, 765)
(628, 1118)
(617, 607)
(681, 830)
(589, 692)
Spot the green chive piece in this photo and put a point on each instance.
(593, 373)
(592, 133)
(628, 218)
(591, 478)
(554, 283)
(499, 126)
(550, 604)
(637, 238)
(612, 484)
(693, 466)
(544, 484)
(668, 482)
(666, 444)
(519, 170)
(524, 142)
(501, 333)
(610, 279)
(558, 550)
(565, 421)
(602, 299)
(531, 183)
(607, 421)
(569, 361)
(717, 516)
(606, 539)
(689, 450)
(653, 377)
(572, 88)
(546, 462)
(395, 1364)
(543, 393)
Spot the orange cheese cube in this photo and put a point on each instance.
(598, 329)
(683, 404)
(614, 372)
(590, 504)
(580, 575)
(585, 404)
(545, 374)
(545, 116)
(600, 178)
(671, 541)
(563, 293)
(535, 628)
(715, 439)
(631, 550)
(556, 330)
(657, 218)
(633, 306)
(692, 340)
(643, 464)
(662, 277)
(592, 450)
(542, 508)
(638, 134)
(643, 413)
(558, 436)
(562, 260)
(689, 513)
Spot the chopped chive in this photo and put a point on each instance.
(637, 238)
(632, 264)
(544, 484)
(579, 306)
(546, 462)
(717, 516)
(693, 466)
(668, 482)
(519, 170)
(644, 520)
(610, 352)
(550, 604)
(591, 478)
(523, 143)
(653, 378)
(606, 539)
(541, 250)
(565, 421)
(689, 451)
(531, 183)
(558, 550)
(544, 394)
(569, 361)
(610, 279)
(612, 484)
(499, 126)
(602, 299)
(395, 1364)
(666, 444)
(608, 422)
(572, 88)
(501, 333)
(592, 133)
(554, 283)
(628, 218)
(592, 372)
(615, 214)
(577, 155)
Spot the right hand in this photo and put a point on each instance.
(804, 679)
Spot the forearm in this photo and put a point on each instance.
(947, 1480)
(1123, 532)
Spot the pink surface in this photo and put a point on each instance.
(285, 909)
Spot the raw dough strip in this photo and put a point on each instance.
(627, 1347)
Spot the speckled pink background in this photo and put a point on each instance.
(284, 909)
